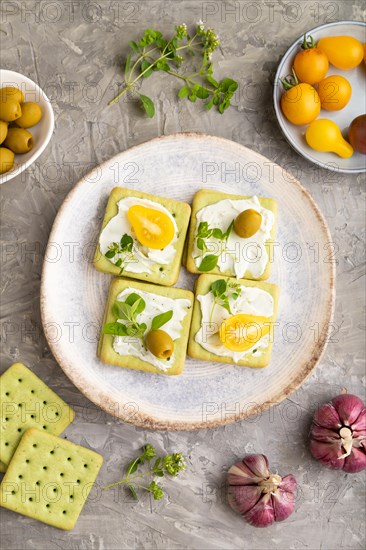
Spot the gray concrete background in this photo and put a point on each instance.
(73, 51)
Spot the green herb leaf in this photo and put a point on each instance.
(208, 263)
(148, 105)
(133, 299)
(183, 92)
(128, 63)
(212, 81)
(117, 329)
(146, 68)
(201, 244)
(134, 46)
(218, 288)
(202, 93)
(161, 319)
(110, 254)
(217, 233)
(133, 492)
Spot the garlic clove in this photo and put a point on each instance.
(323, 434)
(356, 462)
(359, 425)
(262, 514)
(327, 417)
(288, 483)
(243, 498)
(240, 474)
(283, 504)
(349, 408)
(328, 453)
(258, 464)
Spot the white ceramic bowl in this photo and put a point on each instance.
(295, 135)
(42, 132)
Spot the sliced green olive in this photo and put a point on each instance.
(3, 130)
(12, 93)
(10, 110)
(247, 223)
(19, 140)
(159, 343)
(31, 115)
(6, 160)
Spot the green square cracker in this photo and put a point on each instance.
(27, 402)
(203, 285)
(163, 274)
(105, 348)
(49, 479)
(205, 197)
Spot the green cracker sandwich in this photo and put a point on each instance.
(49, 479)
(231, 235)
(146, 327)
(142, 236)
(27, 402)
(233, 321)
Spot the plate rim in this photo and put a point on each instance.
(147, 421)
(277, 107)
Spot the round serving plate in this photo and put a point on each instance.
(295, 135)
(73, 293)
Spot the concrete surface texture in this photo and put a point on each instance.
(74, 50)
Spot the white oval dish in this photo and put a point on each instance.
(295, 135)
(73, 293)
(42, 132)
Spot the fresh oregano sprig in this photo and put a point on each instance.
(168, 464)
(222, 291)
(204, 232)
(124, 247)
(153, 53)
(128, 311)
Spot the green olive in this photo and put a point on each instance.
(19, 140)
(3, 130)
(6, 160)
(12, 93)
(9, 109)
(247, 223)
(31, 115)
(159, 343)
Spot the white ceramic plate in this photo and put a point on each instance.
(357, 105)
(73, 293)
(42, 132)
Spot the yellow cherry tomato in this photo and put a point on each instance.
(153, 228)
(344, 52)
(324, 135)
(364, 53)
(335, 92)
(241, 332)
(311, 64)
(300, 103)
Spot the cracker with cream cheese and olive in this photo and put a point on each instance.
(233, 321)
(146, 327)
(231, 235)
(142, 236)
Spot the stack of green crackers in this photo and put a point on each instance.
(46, 477)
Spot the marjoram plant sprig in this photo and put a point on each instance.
(169, 464)
(154, 53)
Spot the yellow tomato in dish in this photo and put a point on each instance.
(311, 65)
(335, 92)
(344, 52)
(153, 228)
(241, 332)
(300, 104)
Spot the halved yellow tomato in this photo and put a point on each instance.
(153, 228)
(241, 332)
